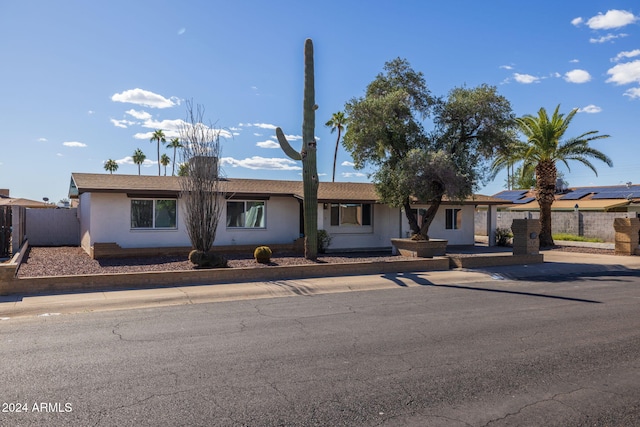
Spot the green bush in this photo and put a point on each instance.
(503, 236)
(207, 259)
(324, 240)
(262, 254)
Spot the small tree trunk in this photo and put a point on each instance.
(428, 218)
(411, 217)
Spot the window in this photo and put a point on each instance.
(453, 219)
(350, 214)
(153, 213)
(245, 214)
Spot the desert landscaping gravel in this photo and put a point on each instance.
(67, 261)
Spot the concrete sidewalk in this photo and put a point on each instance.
(557, 263)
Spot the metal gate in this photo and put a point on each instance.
(5, 231)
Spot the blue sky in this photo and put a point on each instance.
(84, 81)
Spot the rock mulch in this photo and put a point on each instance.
(65, 261)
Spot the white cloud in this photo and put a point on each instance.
(574, 61)
(626, 73)
(122, 123)
(525, 78)
(612, 19)
(59, 155)
(591, 109)
(257, 134)
(74, 144)
(145, 98)
(353, 174)
(258, 125)
(607, 38)
(257, 162)
(268, 144)
(626, 54)
(140, 115)
(577, 21)
(129, 161)
(577, 76)
(181, 31)
(42, 139)
(506, 67)
(633, 93)
(346, 163)
(90, 112)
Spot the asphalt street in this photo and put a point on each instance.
(515, 348)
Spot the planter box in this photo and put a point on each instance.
(420, 248)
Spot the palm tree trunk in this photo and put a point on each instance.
(158, 157)
(546, 174)
(335, 156)
(173, 163)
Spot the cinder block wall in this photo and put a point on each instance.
(588, 224)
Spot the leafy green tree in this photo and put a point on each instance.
(522, 179)
(543, 147)
(164, 161)
(337, 122)
(159, 137)
(175, 144)
(111, 166)
(138, 158)
(386, 131)
(183, 169)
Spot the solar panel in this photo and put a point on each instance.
(575, 195)
(527, 200)
(511, 195)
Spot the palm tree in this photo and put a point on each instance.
(338, 121)
(139, 158)
(175, 144)
(159, 137)
(111, 166)
(164, 161)
(183, 169)
(544, 147)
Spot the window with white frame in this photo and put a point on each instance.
(351, 214)
(246, 214)
(154, 214)
(453, 219)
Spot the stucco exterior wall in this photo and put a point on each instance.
(385, 225)
(462, 236)
(106, 218)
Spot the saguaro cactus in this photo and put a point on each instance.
(307, 155)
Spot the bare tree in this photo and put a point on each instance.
(202, 186)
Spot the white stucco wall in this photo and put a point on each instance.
(106, 218)
(282, 225)
(437, 230)
(385, 226)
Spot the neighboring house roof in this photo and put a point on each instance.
(9, 201)
(601, 198)
(234, 187)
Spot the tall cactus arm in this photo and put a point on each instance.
(286, 147)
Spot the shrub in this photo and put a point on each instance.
(262, 254)
(503, 236)
(324, 240)
(207, 259)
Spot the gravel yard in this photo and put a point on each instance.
(63, 261)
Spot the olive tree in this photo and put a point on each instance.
(387, 132)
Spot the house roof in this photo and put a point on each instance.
(235, 187)
(587, 198)
(27, 203)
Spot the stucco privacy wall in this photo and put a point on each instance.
(52, 227)
(588, 224)
(437, 230)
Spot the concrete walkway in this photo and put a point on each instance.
(556, 263)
